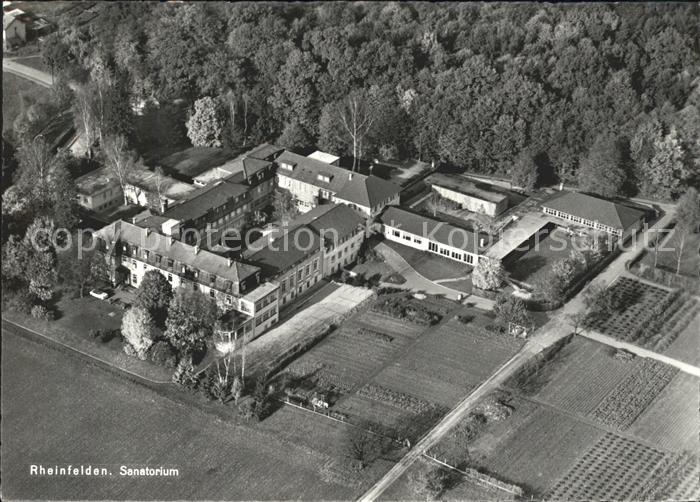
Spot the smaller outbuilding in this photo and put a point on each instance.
(473, 196)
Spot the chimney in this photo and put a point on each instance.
(482, 242)
(171, 239)
(196, 250)
(350, 175)
(230, 262)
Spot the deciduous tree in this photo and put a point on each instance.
(154, 295)
(137, 330)
(120, 160)
(488, 274)
(205, 126)
(191, 319)
(602, 171)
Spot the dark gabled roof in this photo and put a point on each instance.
(368, 191)
(434, 230)
(252, 165)
(287, 250)
(307, 171)
(186, 254)
(331, 221)
(265, 151)
(204, 199)
(592, 208)
(479, 190)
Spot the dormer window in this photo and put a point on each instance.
(325, 177)
(287, 165)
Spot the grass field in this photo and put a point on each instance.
(431, 266)
(17, 95)
(668, 258)
(685, 347)
(71, 329)
(671, 420)
(533, 447)
(528, 266)
(57, 411)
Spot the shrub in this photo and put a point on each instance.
(42, 313)
(185, 375)
(17, 301)
(163, 353)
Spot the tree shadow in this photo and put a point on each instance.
(527, 266)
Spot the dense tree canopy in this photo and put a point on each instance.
(475, 85)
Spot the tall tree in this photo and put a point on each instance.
(602, 171)
(688, 222)
(120, 160)
(191, 319)
(137, 330)
(154, 295)
(81, 271)
(488, 274)
(525, 172)
(204, 126)
(349, 121)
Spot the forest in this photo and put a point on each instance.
(600, 95)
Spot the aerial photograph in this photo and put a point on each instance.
(350, 251)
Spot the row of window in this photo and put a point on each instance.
(266, 316)
(582, 221)
(433, 247)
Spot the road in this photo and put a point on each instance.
(554, 330)
(37, 76)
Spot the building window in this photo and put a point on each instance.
(211, 293)
(170, 277)
(433, 247)
(396, 233)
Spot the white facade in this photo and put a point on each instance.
(473, 203)
(369, 212)
(618, 232)
(422, 243)
(261, 304)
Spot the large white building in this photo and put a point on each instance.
(131, 251)
(314, 182)
(420, 232)
(315, 245)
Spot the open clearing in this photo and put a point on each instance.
(686, 346)
(58, 411)
(533, 447)
(667, 259)
(17, 95)
(530, 264)
(671, 421)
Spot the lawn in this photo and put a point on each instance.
(668, 258)
(35, 62)
(57, 411)
(72, 329)
(685, 346)
(431, 266)
(533, 263)
(17, 95)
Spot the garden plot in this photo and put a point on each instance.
(677, 478)
(638, 302)
(540, 449)
(630, 398)
(460, 355)
(671, 420)
(586, 371)
(358, 349)
(613, 469)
